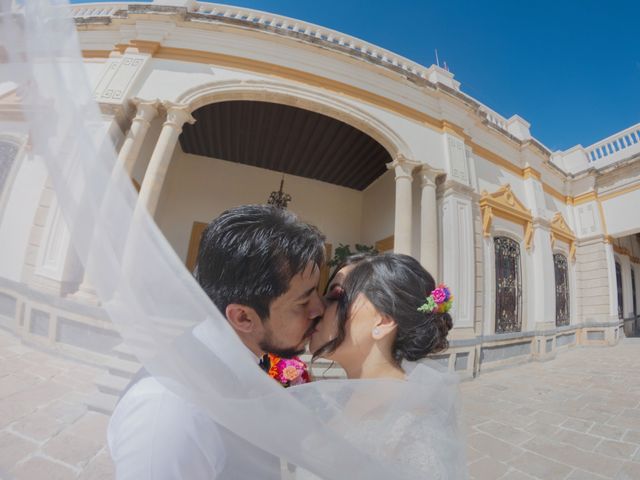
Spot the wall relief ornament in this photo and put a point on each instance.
(504, 204)
(560, 230)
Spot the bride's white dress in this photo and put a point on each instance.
(423, 441)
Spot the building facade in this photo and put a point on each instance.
(210, 106)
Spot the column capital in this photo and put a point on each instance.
(403, 167)
(177, 114)
(428, 175)
(146, 110)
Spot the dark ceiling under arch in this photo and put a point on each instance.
(286, 139)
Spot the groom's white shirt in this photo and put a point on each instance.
(154, 434)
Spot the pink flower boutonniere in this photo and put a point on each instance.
(288, 371)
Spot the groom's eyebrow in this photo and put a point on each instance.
(306, 294)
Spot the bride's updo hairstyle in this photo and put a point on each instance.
(397, 286)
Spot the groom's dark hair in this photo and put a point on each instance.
(249, 254)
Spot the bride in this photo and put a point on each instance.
(383, 314)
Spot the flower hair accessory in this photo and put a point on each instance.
(438, 301)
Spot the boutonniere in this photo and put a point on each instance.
(288, 371)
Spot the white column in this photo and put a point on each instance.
(429, 219)
(146, 111)
(177, 116)
(402, 229)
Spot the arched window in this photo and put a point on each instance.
(619, 285)
(508, 285)
(562, 289)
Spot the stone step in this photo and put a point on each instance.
(111, 384)
(123, 368)
(102, 403)
(125, 352)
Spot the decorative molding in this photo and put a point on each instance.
(560, 230)
(503, 203)
(403, 167)
(583, 198)
(457, 159)
(530, 172)
(620, 250)
(157, 50)
(137, 46)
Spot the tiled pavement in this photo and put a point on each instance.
(575, 417)
(46, 431)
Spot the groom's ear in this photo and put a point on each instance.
(242, 318)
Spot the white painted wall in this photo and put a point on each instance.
(18, 216)
(199, 188)
(622, 214)
(378, 209)
(491, 177)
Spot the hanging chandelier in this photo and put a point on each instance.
(279, 199)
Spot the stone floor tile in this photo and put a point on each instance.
(473, 454)
(91, 426)
(549, 418)
(582, 475)
(631, 436)
(13, 449)
(540, 467)
(100, 468)
(572, 456)
(72, 449)
(542, 429)
(607, 431)
(504, 432)
(580, 440)
(516, 475)
(493, 447)
(487, 469)
(63, 411)
(38, 427)
(578, 425)
(616, 449)
(38, 468)
(629, 471)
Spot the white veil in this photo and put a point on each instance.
(335, 429)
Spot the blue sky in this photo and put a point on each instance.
(569, 67)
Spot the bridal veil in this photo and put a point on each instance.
(55, 142)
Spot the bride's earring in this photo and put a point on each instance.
(376, 332)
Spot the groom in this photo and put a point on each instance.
(260, 266)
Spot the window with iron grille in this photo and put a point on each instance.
(619, 285)
(562, 289)
(508, 285)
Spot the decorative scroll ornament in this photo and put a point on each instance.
(504, 204)
(560, 230)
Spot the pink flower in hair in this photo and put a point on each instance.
(439, 295)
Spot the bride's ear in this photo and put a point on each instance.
(384, 326)
(242, 318)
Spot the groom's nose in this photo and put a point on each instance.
(316, 306)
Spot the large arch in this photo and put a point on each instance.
(296, 96)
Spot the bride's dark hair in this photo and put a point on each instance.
(396, 285)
